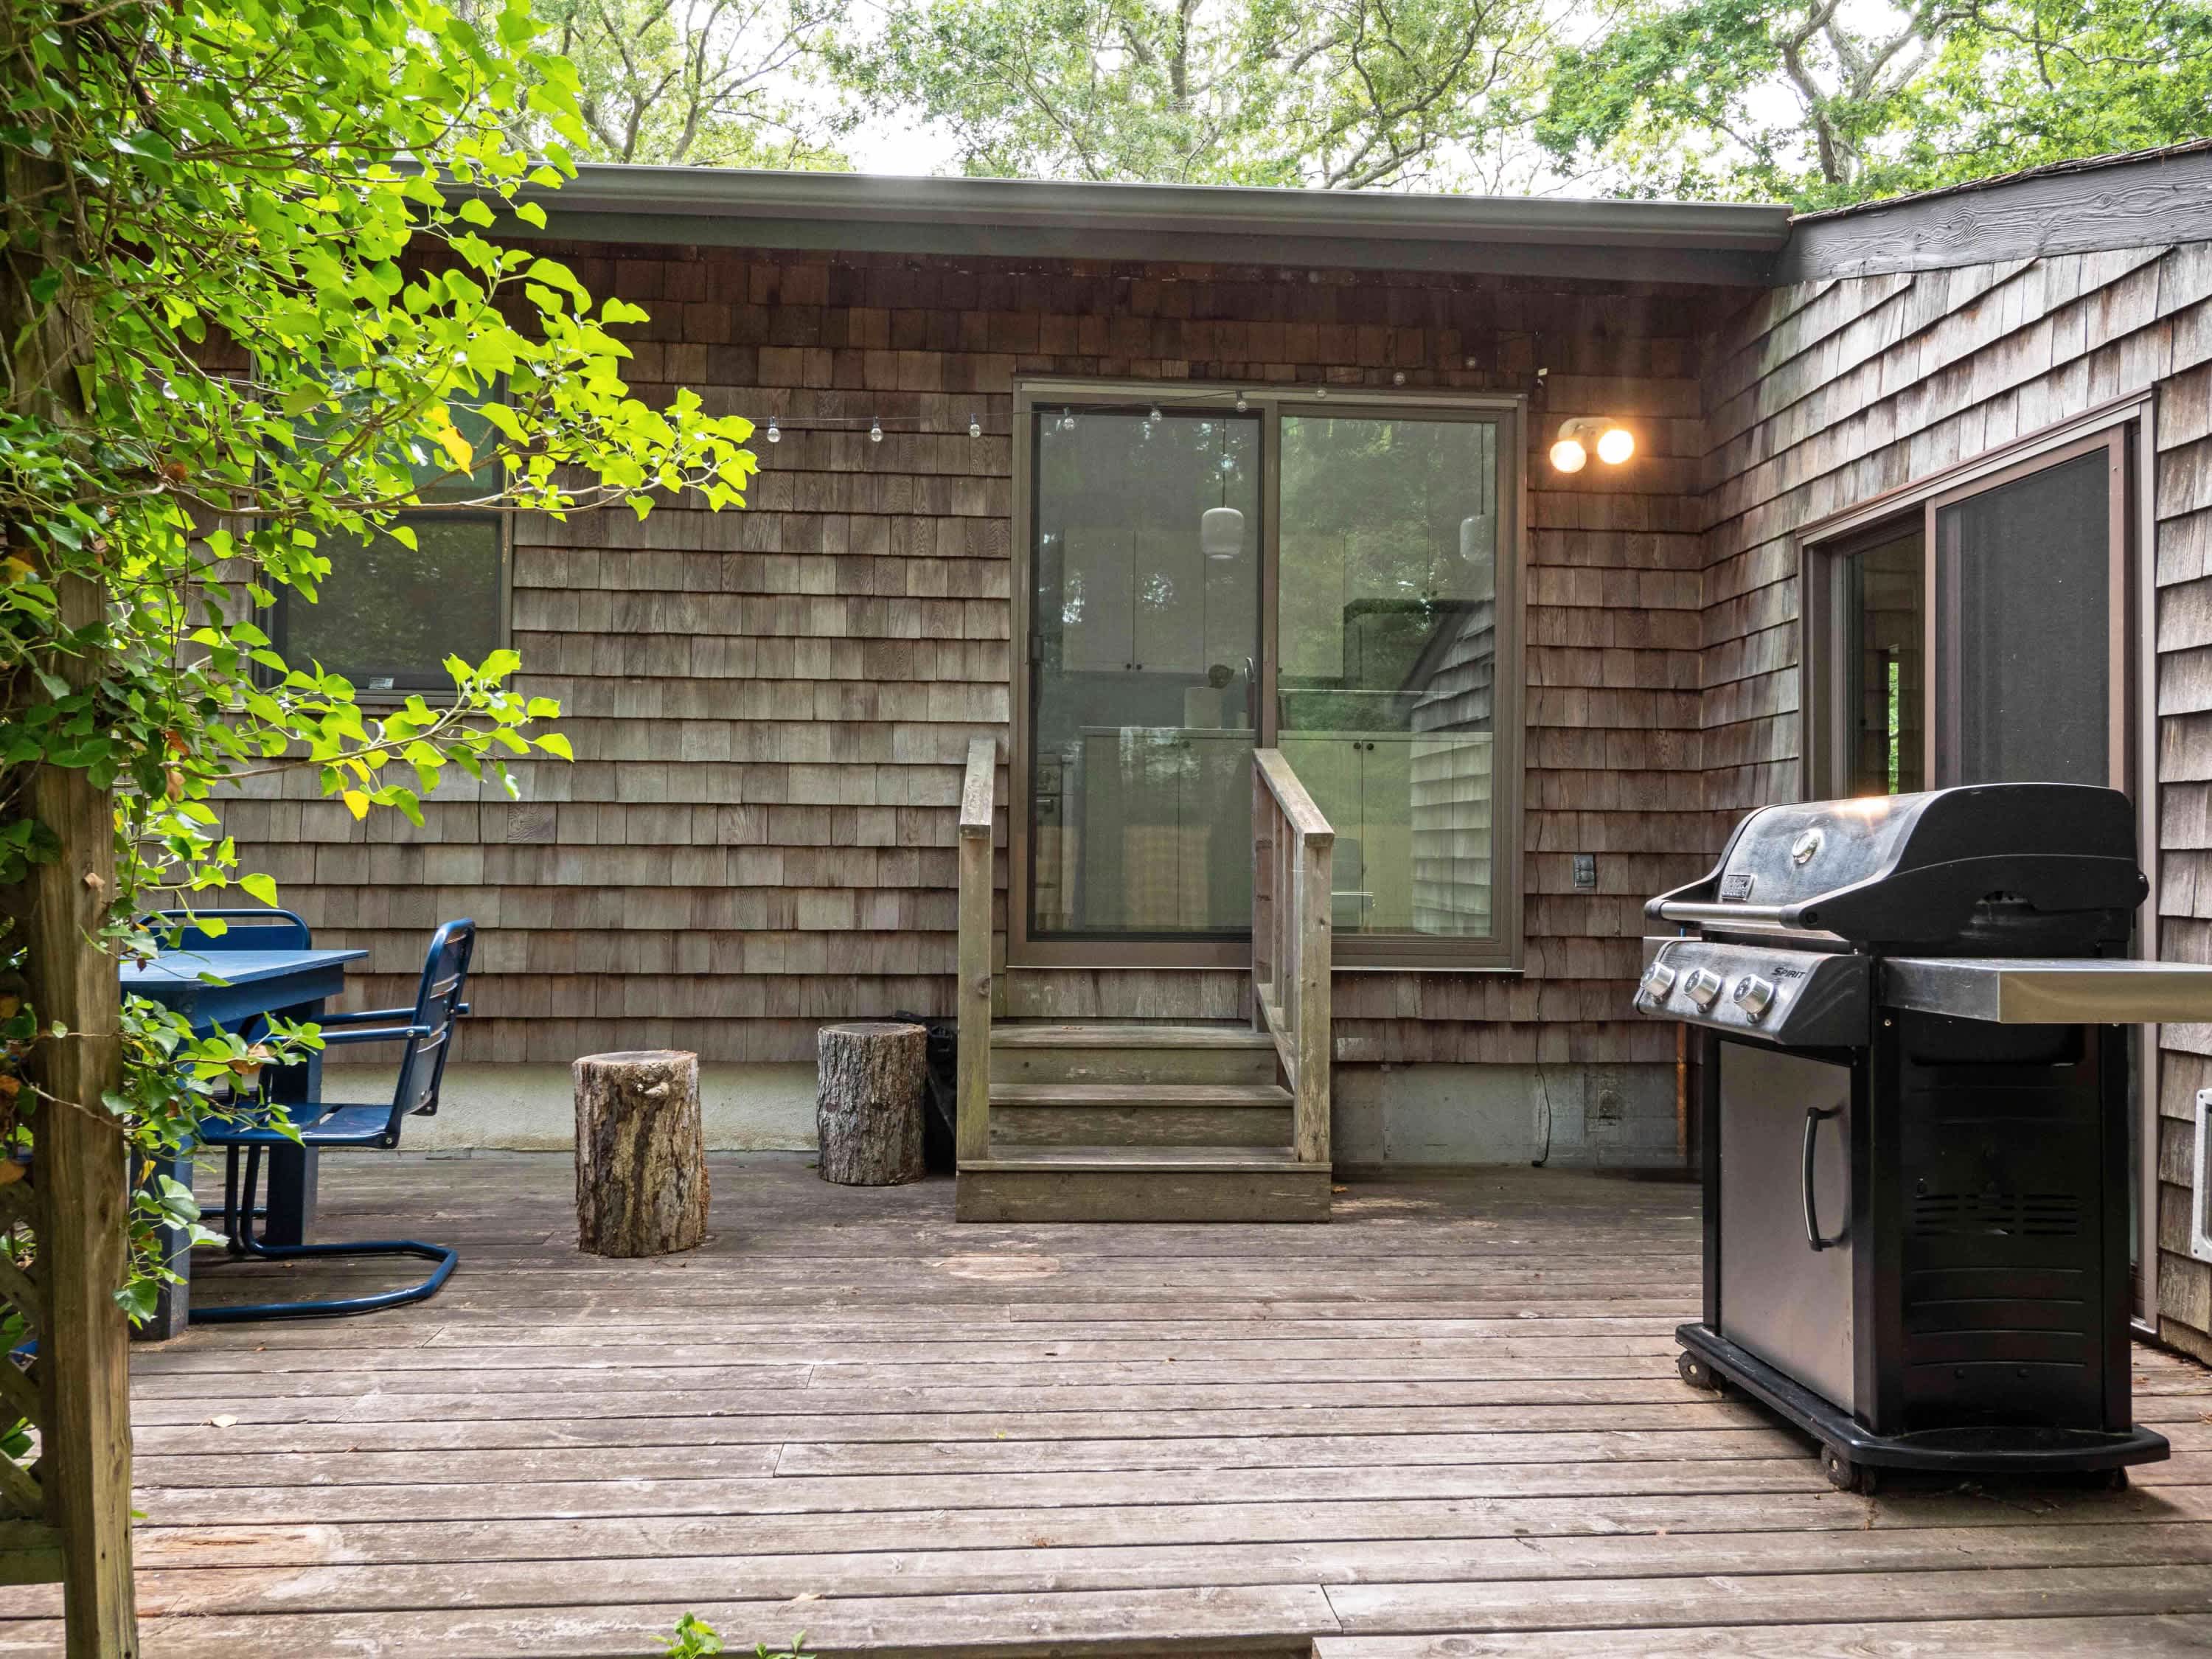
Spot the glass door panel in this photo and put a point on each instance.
(1144, 652)
(2025, 646)
(1385, 689)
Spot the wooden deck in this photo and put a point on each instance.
(1447, 1423)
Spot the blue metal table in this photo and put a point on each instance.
(232, 988)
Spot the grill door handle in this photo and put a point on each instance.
(1815, 1116)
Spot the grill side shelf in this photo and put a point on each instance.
(2048, 991)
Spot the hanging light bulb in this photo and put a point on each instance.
(1068, 421)
(1155, 413)
(1615, 444)
(975, 427)
(774, 436)
(875, 431)
(1241, 404)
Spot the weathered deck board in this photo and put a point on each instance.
(1447, 1425)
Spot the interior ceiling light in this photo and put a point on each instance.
(1614, 443)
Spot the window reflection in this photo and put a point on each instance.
(1386, 682)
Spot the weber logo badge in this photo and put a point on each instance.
(1735, 887)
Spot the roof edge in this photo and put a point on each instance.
(1713, 242)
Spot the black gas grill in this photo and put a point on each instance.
(1916, 1087)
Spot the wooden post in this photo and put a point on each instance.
(641, 1154)
(1316, 1055)
(869, 1112)
(972, 995)
(82, 1178)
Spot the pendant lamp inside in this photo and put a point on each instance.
(1221, 533)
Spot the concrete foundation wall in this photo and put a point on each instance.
(1578, 1116)
(523, 1108)
(1568, 1116)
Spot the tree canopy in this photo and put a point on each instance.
(704, 83)
(1821, 104)
(1817, 102)
(1338, 93)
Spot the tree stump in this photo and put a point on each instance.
(641, 1154)
(869, 1112)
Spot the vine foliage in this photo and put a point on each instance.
(251, 312)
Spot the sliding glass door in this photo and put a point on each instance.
(1385, 686)
(1210, 572)
(1145, 647)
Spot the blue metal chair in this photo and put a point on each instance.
(259, 928)
(426, 1029)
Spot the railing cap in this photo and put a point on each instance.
(1291, 795)
(976, 789)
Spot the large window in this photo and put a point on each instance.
(1209, 573)
(1979, 635)
(389, 614)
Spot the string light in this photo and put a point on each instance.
(775, 435)
(875, 432)
(975, 427)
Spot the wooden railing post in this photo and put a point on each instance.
(1292, 850)
(973, 1001)
(81, 1179)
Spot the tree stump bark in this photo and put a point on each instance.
(641, 1154)
(869, 1112)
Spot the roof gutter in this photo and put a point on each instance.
(1011, 217)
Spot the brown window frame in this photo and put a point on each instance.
(1825, 551)
(1504, 950)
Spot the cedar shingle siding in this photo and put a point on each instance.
(770, 707)
(1824, 395)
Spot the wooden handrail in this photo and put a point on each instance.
(972, 1000)
(1293, 849)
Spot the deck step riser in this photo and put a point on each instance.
(1168, 1066)
(1141, 1126)
(1138, 1194)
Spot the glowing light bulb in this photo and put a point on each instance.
(1615, 445)
(1567, 455)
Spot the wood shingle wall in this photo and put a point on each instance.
(770, 709)
(1825, 394)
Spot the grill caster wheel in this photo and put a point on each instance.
(1698, 1374)
(1845, 1475)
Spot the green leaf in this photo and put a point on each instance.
(261, 886)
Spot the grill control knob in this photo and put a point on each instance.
(1658, 979)
(1704, 986)
(1754, 995)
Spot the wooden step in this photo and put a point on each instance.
(1139, 1115)
(1129, 1051)
(1143, 1183)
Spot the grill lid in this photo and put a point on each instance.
(1988, 869)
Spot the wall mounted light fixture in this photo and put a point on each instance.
(1613, 442)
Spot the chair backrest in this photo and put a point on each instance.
(437, 1005)
(256, 929)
